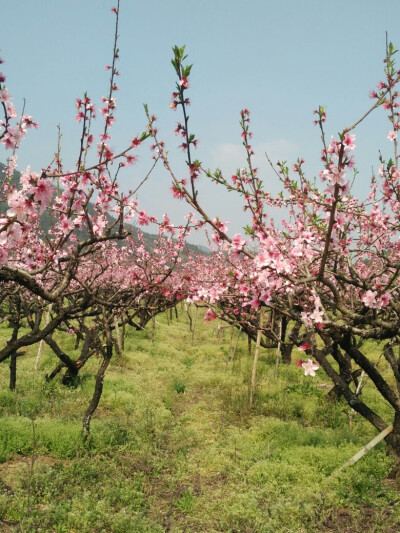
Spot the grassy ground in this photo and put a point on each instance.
(175, 448)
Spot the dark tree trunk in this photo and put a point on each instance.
(70, 377)
(393, 446)
(286, 353)
(90, 344)
(15, 322)
(77, 342)
(53, 374)
(344, 362)
(380, 383)
(13, 371)
(72, 369)
(123, 335)
(393, 439)
(286, 349)
(352, 399)
(87, 417)
(31, 338)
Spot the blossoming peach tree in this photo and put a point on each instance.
(45, 262)
(59, 235)
(332, 266)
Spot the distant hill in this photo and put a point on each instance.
(149, 238)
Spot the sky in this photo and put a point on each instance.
(281, 59)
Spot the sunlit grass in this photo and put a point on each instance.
(174, 446)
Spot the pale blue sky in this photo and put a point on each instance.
(280, 59)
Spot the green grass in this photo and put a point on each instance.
(174, 447)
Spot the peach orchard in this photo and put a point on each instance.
(324, 280)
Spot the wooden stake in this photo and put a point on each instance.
(194, 323)
(13, 370)
(278, 350)
(364, 450)
(123, 335)
(117, 336)
(255, 360)
(228, 357)
(358, 390)
(40, 349)
(189, 315)
(153, 325)
(236, 345)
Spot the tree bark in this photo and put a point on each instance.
(13, 371)
(352, 399)
(98, 390)
(286, 349)
(393, 443)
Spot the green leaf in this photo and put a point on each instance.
(144, 136)
(392, 49)
(247, 229)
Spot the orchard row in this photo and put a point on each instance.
(325, 280)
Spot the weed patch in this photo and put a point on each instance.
(175, 447)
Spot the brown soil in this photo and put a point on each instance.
(362, 520)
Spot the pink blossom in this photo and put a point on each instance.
(317, 315)
(65, 225)
(336, 176)
(340, 221)
(310, 367)
(348, 142)
(3, 255)
(130, 159)
(209, 315)
(11, 165)
(5, 96)
(43, 191)
(11, 111)
(143, 218)
(305, 318)
(392, 135)
(136, 142)
(184, 82)
(222, 226)
(99, 225)
(12, 138)
(216, 238)
(333, 147)
(385, 299)
(177, 192)
(19, 205)
(237, 242)
(14, 234)
(255, 303)
(369, 299)
(305, 346)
